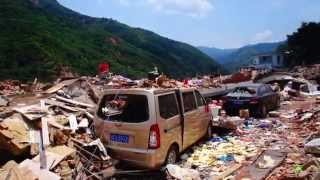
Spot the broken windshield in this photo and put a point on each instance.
(124, 108)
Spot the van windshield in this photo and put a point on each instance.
(129, 108)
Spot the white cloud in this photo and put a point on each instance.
(194, 8)
(264, 36)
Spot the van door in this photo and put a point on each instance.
(169, 120)
(202, 113)
(191, 125)
(126, 120)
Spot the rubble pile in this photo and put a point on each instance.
(10, 87)
(52, 129)
(311, 72)
(55, 134)
(238, 77)
(302, 137)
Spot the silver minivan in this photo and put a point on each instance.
(150, 127)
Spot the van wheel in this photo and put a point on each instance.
(172, 155)
(209, 132)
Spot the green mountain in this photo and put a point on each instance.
(219, 55)
(40, 37)
(232, 59)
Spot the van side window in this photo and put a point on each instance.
(168, 106)
(200, 100)
(189, 101)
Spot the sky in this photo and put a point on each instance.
(212, 23)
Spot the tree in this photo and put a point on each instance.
(303, 46)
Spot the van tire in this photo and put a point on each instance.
(172, 155)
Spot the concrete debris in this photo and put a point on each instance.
(42, 131)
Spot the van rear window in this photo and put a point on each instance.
(129, 108)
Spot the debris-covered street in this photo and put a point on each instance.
(159, 90)
(270, 148)
(47, 131)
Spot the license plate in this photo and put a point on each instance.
(119, 138)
